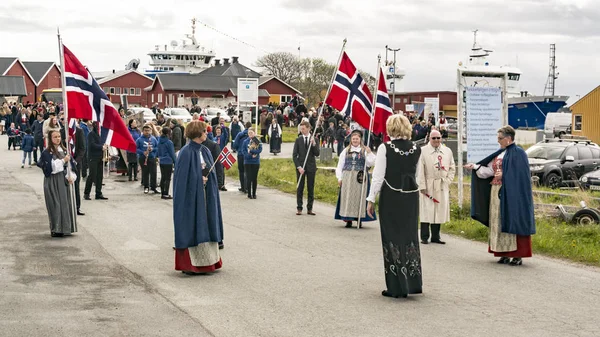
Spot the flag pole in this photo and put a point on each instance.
(337, 66)
(66, 124)
(366, 173)
(215, 161)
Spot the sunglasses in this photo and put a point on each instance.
(436, 137)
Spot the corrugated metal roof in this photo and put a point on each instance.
(5, 62)
(232, 69)
(12, 86)
(37, 70)
(197, 82)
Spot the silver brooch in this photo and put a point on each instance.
(401, 152)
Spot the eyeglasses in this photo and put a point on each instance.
(436, 137)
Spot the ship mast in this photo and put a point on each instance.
(193, 35)
(552, 74)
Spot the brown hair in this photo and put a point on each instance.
(195, 129)
(306, 124)
(507, 131)
(53, 149)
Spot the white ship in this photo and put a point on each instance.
(190, 58)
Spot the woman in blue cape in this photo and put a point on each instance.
(196, 206)
(502, 199)
(350, 175)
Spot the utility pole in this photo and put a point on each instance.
(393, 75)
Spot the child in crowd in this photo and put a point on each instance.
(12, 134)
(28, 147)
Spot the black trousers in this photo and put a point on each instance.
(220, 174)
(435, 231)
(148, 173)
(242, 172)
(84, 166)
(38, 143)
(12, 141)
(251, 178)
(94, 177)
(132, 169)
(340, 147)
(77, 181)
(165, 178)
(310, 178)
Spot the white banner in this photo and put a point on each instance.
(484, 118)
(247, 90)
(410, 108)
(432, 104)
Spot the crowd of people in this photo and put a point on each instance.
(412, 182)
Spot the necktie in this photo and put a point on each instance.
(306, 142)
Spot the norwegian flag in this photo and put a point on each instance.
(383, 107)
(72, 122)
(350, 93)
(86, 100)
(226, 158)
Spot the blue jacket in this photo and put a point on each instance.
(239, 140)
(135, 134)
(85, 129)
(223, 139)
(251, 156)
(27, 144)
(142, 145)
(210, 136)
(166, 151)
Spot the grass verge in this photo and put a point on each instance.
(554, 237)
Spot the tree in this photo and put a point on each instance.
(315, 79)
(285, 66)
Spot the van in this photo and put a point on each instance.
(557, 124)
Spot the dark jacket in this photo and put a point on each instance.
(176, 137)
(80, 146)
(94, 143)
(27, 144)
(213, 148)
(300, 151)
(166, 151)
(239, 140)
(37, 130)
(251, 156)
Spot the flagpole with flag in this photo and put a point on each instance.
(366, 173)
(321, 110)
(66, 123)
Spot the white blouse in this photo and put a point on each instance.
(485, 172)
(58, 166)
(339, 171)
(379, 172)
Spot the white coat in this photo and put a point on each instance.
(437, 172)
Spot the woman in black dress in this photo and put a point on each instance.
(395, 176)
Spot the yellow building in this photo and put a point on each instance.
(586, 116)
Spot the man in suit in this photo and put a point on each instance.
(79, 156)
(305, 144)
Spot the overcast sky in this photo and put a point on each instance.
(434, 34)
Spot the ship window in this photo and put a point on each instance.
(513, 77)
(578, 122)
(521, 106)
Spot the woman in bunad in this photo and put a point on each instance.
(274, 137)
(54, 162)
(350, 175)
(395, 175)
(195, 187)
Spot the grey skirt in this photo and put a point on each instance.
(59, 204)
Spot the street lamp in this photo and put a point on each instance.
(393, 76)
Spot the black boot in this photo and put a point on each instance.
(435, 234)
(424, 233)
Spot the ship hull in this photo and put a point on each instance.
(530, 112)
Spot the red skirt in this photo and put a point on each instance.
(184, 263)
(523, 248)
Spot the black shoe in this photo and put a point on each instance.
(87, 197)
(242, 190)
(130, 179)
(221, 245)
(223, 189)
(425, 242)
(135, 179)
(438, 241)
(504, 260)
(348, 224)
(517, 261)
(155, 191)
(166, 197)
(387, 294)
(101, 197)
(79, 212)
(249, 197)
(57, 235)
(254, 197)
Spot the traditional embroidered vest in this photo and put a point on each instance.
(355, 161)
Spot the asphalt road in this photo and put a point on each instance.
(283, 275)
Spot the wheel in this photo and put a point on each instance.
(586, 217)
(560, 135)
(553, 180)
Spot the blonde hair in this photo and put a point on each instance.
(398, 126)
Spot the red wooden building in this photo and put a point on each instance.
(46, 75)
(447, 100)
(130, 83)
(12, 66)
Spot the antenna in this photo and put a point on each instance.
(552, 74)
(475, 37)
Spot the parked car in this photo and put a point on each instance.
(591, 180)
(561, 161)
(212, 113)
(180, 114)
(148, 114)
(557, 124)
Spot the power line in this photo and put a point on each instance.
(231, 37)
